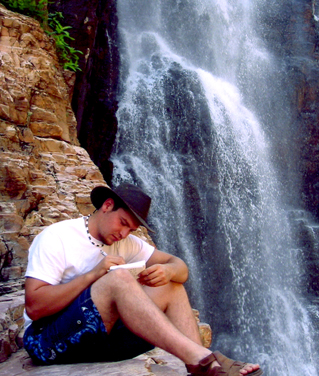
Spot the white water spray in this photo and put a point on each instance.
(186, 136)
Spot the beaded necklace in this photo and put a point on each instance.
(86, 221)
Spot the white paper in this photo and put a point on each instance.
(135, 268)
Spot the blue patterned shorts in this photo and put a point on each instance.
(77, 334)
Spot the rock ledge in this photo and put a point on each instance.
(156, 362)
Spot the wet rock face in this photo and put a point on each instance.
(292, 33)
(307, 106)
(44, 175)
(94, 29)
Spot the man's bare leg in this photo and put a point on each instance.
(172, 299)
(118, 295)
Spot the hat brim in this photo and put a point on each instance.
(100, 194)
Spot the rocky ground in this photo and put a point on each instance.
(154, 363)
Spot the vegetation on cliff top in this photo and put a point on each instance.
(68, 56)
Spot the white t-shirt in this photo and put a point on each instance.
(63, 251)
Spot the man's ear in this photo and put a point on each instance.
(108, 205)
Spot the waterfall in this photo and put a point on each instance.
(201, 109)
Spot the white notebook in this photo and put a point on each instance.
(135, 267)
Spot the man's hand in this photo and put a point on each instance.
(43, 299)
(161, 268)
(104, 265)
(156, 275)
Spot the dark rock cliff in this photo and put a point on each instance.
(292, 32)
(308, 110)
(94, 29)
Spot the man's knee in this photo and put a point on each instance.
(167, 289)
(162, 296)
(173, 288)
(116, 279)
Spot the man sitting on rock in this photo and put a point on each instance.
(79, 310)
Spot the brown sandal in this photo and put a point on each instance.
(233, 367)
(228, 367)
(203, 368)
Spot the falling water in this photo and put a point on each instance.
(197, 126)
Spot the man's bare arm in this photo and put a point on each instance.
(43, 299)
(163, 268)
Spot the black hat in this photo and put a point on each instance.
(133, 197)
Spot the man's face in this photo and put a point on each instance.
(115, 225)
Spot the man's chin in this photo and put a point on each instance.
(110, 241)
(114, 239)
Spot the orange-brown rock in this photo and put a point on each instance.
(44, 175)
(33, 90)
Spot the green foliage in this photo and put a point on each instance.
(68, 56)
(32, 8)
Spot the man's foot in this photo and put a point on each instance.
(217, 364)
(208, 366)
(250, 368)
